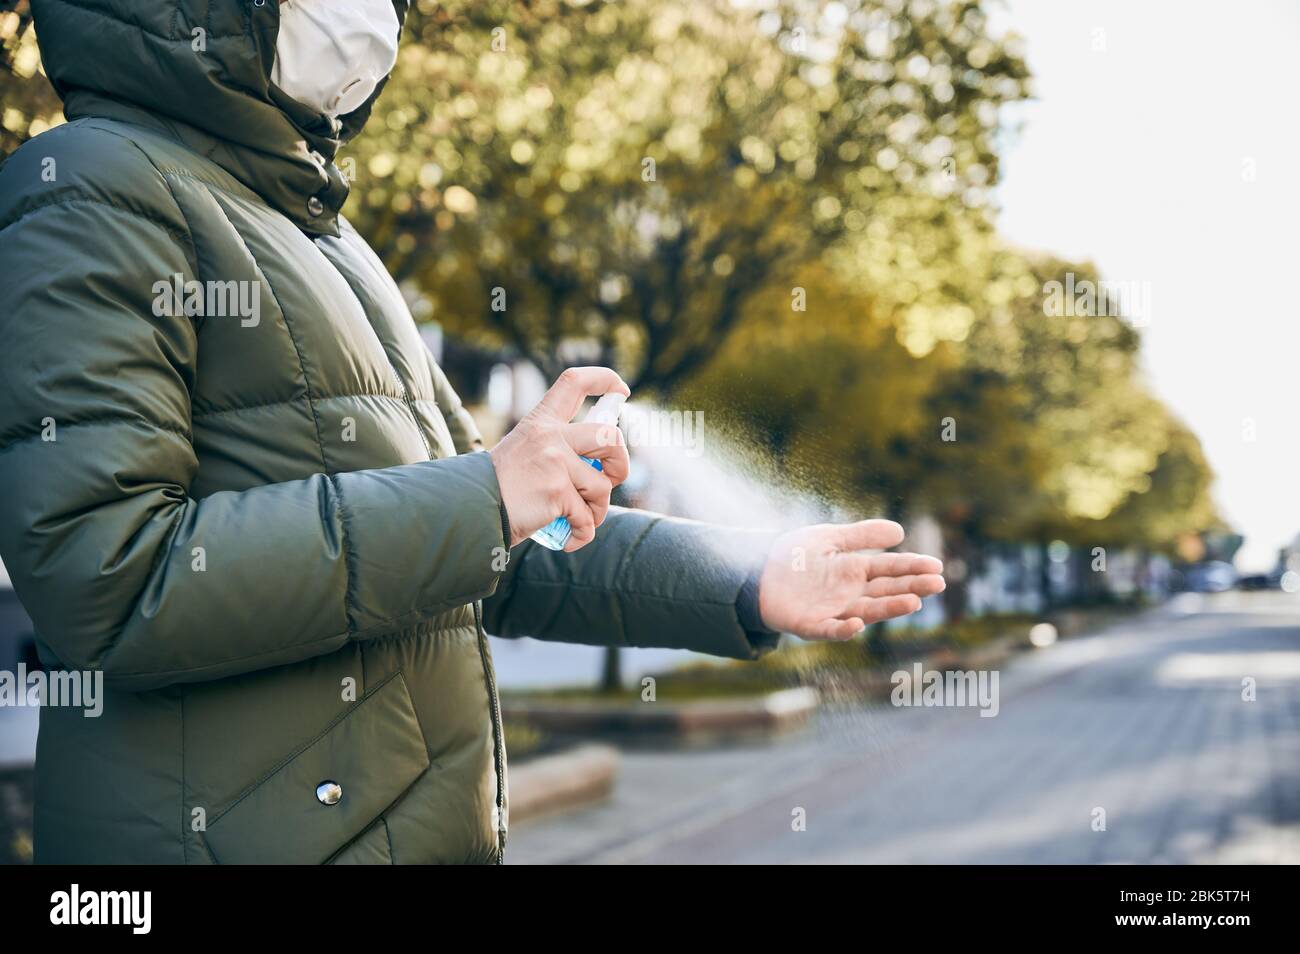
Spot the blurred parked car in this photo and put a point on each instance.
(17, 732)
(17, 637)
(1260, 581)
(1212, 576)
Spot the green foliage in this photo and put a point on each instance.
(634, 173)
(29, 103)
(523, 739)
(1052, 433)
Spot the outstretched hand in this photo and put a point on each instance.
(818, 584)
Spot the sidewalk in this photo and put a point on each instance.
(1145, 721)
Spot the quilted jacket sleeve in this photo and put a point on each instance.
(119, 567)
(645, 581)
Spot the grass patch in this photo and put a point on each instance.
(524, 739)
(16, 817)
(691, 683)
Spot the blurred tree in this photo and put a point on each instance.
(30, 105)
(633, 174)
(1004, 421)
(1085, 432)
(1174, 501)
(855, 417)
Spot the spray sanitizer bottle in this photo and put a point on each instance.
(606, 410)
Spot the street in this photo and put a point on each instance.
(1135, 745)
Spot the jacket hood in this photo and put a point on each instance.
(200, 70)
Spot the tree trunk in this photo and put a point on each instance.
(1045, 575)
(957, 549)
(875, 644)
(611, 670)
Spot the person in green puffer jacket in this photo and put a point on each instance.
(236, 487)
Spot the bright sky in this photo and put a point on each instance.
(1171, 155)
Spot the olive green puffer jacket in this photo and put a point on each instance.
(268, 527)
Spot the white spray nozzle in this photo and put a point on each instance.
(607, 409)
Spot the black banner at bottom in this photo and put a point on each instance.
(129, 904)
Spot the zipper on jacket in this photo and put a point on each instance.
(410, 406)
(494, 703)
(498, 740)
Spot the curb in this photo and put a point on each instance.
(773, 712)
(567, 780)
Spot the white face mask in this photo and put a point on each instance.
(331, 54)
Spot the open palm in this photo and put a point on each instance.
(819, 584)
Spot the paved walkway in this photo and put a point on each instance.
(1145, 721)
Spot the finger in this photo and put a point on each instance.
(574, 386)
(873, 610)
(926, 584)
(869, 535)
(602, 442)
(880, 607)
(901, 564)
(870, 566)
(592, 486)
(854, 567)
(582, 524)
(837, 629)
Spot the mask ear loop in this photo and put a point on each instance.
(303, 116)
(344, 92)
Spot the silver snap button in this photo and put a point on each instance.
(329, 793)
(315, 206)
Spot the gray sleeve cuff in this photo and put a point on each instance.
(747, 610)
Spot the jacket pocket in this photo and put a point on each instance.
(373, 754)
